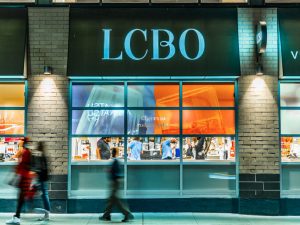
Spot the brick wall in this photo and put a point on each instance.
(258, 109)
(48, 94)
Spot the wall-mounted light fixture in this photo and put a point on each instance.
(261, 45)
(47, 70)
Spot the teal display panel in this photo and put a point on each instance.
(289, 27)
(153, 41)
(13, 26)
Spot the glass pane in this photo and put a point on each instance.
(208, 122)
(97, 95)
(12, 122)
(153, 122)
(209, 148)
(153, 148)
(9, 146)
(290, 94)
(157, 95)
(210, 180)
(153, 180)
(12, 95)
(97, 122)
(208, 95)
(96, 148)
(289, 124)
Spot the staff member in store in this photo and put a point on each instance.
(103, 149)
(167, 152)
(135, 149)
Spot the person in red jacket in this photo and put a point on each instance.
(23, 171)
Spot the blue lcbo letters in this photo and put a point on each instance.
(157, 44)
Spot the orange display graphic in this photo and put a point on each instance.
(166, 95)
(208, 95)
(166, 122)
(208, 122)
(12, 95)
(286, 146)
(12, 122)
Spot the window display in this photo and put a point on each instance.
(9, 148)
(208, 148)
(156, 119)
(93, 148)
(153, 148)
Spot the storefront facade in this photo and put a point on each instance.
(187, 75)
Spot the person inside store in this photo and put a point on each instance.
(135, 149)
(115, 175)
(40, 167)
(103, 149)
(18, 154)
(199, 148)
(23, 178)
(167, 150)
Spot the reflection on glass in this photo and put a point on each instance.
(208, 95)
(92, 148)
(97, 122)
(9, 146)
(208, 148)
(97, 95)
(153, 148)
(12, 122)
(12, 95)
(290, 94)
(158, 95)
(208, 122)
(289, 120)
(153, 122)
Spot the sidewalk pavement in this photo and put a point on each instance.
(158, 218)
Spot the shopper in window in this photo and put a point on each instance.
(40, 167)
(103, 149)
(115, 176)
(135, 149)
(24, 174)
(167, 151)
(199, 148)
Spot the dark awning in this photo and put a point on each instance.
(13, 27)
(153, 41)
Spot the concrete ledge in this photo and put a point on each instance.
(259, 206)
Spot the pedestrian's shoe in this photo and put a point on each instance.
(14, 220)
(128, 217)
(105, 218)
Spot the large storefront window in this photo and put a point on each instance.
(290, 138)
(12, 130)
(167, 128)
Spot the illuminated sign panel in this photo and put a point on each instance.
(153, 42)
(289, 27)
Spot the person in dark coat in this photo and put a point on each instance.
(40, 167)
(115, 176)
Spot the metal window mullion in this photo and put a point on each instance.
(180, 138)
(125, 137)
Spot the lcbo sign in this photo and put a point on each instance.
(157, 45)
